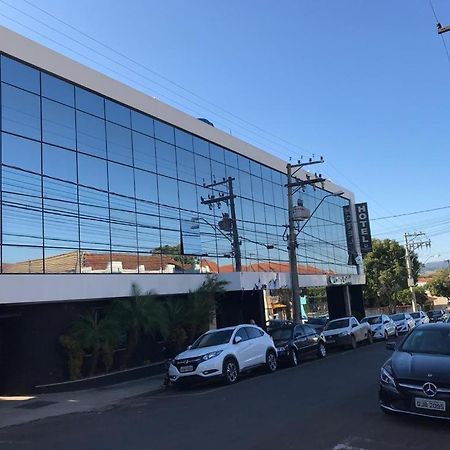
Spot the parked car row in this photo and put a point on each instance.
(228, 352)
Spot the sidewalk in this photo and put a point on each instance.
(19, 410)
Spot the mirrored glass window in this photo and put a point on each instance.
(268, 192)
(21, 112)
(217, 153)
(164, 132)
(119, 143)
(123, 225)
(58, 124)
(185, 161)
(21, 207)
(121, 180)
(255, 168)
(92, 172)
(183, 139)
(142, 123)
(146, 186)
(231, 159)
(62, 260)
(244, 163)
(201, 147)
(91, 137)
(266, 173)
(89, 102)
(20, 152)
(94, 219)
(57, 89)
(188, 199)
(148, 229)
(22, 259)
(117, 113)
(60, 214)
(20, 75)
(144, 152)
(59, 163)
(166, 157)
(168, 193)
(202, 170)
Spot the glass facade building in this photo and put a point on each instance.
(91, 185)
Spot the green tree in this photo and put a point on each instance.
(386, 275)
(404, 296)
(138, 315)
(439, 285)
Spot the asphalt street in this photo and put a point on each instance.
(321, 404)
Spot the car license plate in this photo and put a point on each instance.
(437, 405)
(184, 369)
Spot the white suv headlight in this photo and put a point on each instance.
(211, 355)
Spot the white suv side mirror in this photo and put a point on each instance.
(237, 339)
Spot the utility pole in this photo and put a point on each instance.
(292, 234)
(410, 246)
(227, 198)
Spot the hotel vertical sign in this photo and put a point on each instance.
(362, 220)
(348, 222)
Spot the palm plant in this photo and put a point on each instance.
(187, 318)
(96, 334)
(140, 314)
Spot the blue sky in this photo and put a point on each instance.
(365, 84)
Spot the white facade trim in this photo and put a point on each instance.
(23, 289)
(44, 58)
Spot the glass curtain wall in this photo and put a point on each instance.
(89, 185)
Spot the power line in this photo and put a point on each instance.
(412, 213)
(442, 36)
(141, 75)
(161, 76)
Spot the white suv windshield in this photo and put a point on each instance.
(214, 338)
(336, 324)
(372, 320)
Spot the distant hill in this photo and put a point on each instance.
(433, 266)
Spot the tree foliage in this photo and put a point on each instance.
(175, 252)
(188, 317)
(176, 319)
(439, 285)
(386, 273)
(404, 296)
(141, 314)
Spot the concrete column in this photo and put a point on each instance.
(347, 300)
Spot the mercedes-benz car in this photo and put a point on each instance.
(416, 378)
(225, 353)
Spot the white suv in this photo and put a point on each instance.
(225, 352)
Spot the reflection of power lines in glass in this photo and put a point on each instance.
(230, 223)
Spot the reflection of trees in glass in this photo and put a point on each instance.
(175, 252)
